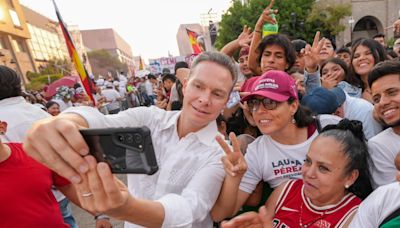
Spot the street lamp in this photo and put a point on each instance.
(351, 22)
(293, 17)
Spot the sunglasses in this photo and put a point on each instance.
(268, 104)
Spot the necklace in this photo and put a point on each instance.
(308, 223)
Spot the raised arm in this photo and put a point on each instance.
(243, 40)
(257, 36)
(230, 198)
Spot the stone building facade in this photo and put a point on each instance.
(369, 17)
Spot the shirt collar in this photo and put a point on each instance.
(172, 121)
(206, 135)
(12, 100)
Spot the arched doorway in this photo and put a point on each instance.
(367, 27)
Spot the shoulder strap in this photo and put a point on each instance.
(393, 215)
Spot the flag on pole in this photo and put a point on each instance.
(80, 68)
(141, 64)
(197, 49)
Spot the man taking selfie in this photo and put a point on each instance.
(183, 191)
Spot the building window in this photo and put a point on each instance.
(19, 45)
(2, 43)
(14, 18)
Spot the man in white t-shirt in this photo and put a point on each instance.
(113, 97)
(384, 81)
(336, 101)
(378, 206)
(187, 184)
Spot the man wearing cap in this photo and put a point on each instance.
(337, 102)
(384, 81)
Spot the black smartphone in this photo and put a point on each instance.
(125, 150)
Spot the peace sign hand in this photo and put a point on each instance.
(234, 163)
(311, 53)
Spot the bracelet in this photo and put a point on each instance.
(258, 31)
(101, 216)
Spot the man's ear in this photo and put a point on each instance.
(3, 127)
(182, 74)
(184, 85)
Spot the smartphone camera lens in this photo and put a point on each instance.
(121, 138)
(138, 138)
(129, 138)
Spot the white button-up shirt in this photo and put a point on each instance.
(190, 173)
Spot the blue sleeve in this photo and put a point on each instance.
(312, 80)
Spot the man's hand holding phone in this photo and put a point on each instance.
(57, 143)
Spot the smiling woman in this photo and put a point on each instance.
(335, 179)
(366, 53)
(277, 156)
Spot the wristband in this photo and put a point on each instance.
(258, 31)
(101, 216)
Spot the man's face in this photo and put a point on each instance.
(3, 127)
(243, 65)
(205, 94)
(381, 40)
(300, 61)
(273, 58)
(386, 98)
(327, 51)
(153, 80)
(345, 57)
(168, 84)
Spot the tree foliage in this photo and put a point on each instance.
(103, 62)
(326, 15)
(296, 18)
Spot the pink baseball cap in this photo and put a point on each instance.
(249, 84)
(275, 85)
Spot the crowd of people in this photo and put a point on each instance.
(308, 133)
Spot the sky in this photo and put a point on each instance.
(149, 26)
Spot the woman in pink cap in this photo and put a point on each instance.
(278, 155)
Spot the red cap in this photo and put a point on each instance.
(275, 85)
(248, 84)
(244, 51)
